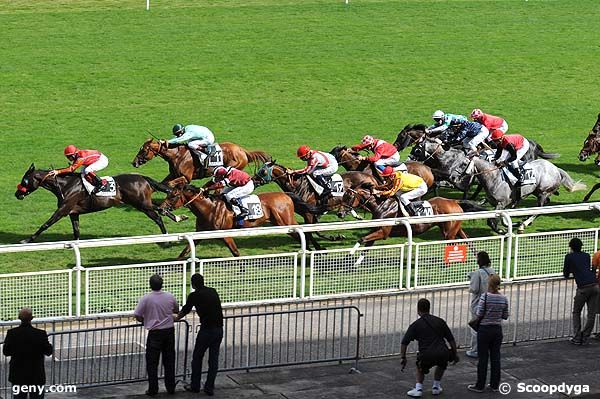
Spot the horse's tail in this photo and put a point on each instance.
(569, 183)
(470, 206)
(257, 156)
(301, 206)
(157, 186)
(540, 153)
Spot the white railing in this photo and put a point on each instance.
(297, 275)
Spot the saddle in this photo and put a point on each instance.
(335, 184)
(107, 190)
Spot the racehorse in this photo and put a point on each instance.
(212, 213)
(73, 199)
(412, 134)
(548, 179)
(388, 207)
(305, 198)
(591, 145)
(182, 163)
(349, 160)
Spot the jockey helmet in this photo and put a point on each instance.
(220, 172)
(70, 150)
(387, 171)
(497, 135)
(368, 140)
(303, 152)
(476, 114)
(178, 129)
(438, 115)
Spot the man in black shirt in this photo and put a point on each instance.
(430, 332)
(26, 347)
(208, 307)
(578, 263)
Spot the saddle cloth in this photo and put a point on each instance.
(423, 208)
(527, 174)
(252, 203)
(215, 156)
(109, 190)
(335, 182)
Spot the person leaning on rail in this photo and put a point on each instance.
(430, 332)
(208, 307)
(578, 263)
(26, 347)
(156, 310)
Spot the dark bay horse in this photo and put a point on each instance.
(386, 207)
(305, 198)
(348, 159)
(213, 214)
(73, 200)
(181, 162)
(591, 144)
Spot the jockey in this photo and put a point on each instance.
(511, 148)
(91, 160)
(236, 184)
(444, 121)
(384, 153)
(319, 165)
(196, 137)
(412, 186)
(471, 134)
(490, 121)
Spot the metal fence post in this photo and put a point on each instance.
(303, 250)
(509, 234)
(77, 270)
(516, 313)
(409, 242)
(192, 260)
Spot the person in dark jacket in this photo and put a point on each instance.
(430, 332)
(208, 307)
(26, 347)
(579, 264)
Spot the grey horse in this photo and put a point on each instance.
(499, 192)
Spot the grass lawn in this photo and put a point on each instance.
(271, 75)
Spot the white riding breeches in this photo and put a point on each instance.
(393, 160)
(413, 194)
(199, 145)
(328, 171)
(100, 164)
(238, 192)
(471, 143)
(520, 153)
(504, 127)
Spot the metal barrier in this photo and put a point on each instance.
(276, 277)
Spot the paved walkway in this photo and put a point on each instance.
(539, 363)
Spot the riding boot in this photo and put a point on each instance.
(96, 181)
(324, 197)
(411, 209)
(517, 186)
(243, 210)
(199, 154)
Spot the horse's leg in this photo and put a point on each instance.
(381, 233)
(75, 223)
(588, 195)
(231, 245)
(541, 201)
(152, 214)
(56, 216)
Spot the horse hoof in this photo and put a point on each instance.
(25, 241)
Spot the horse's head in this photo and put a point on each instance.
(181, 195)
(409, 135)
(591, 145)
(269, 172)
(358, 197)
(147, 151)
(30, 182)
(461, 172)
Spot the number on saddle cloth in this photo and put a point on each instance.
(423, 208)
(108, 190)
(215, 155)
(252, 203)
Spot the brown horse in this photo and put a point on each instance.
(385, 207)
(591, 145)
(349, 160)
(182, 163)
(213, 214)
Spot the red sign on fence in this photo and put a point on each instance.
(455, 253)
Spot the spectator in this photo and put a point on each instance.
(493, 308)
(477, 287)
(26, 347)
(208, 307)
(430, 332)
(596, 266)
(156, 310)
(578, 263)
